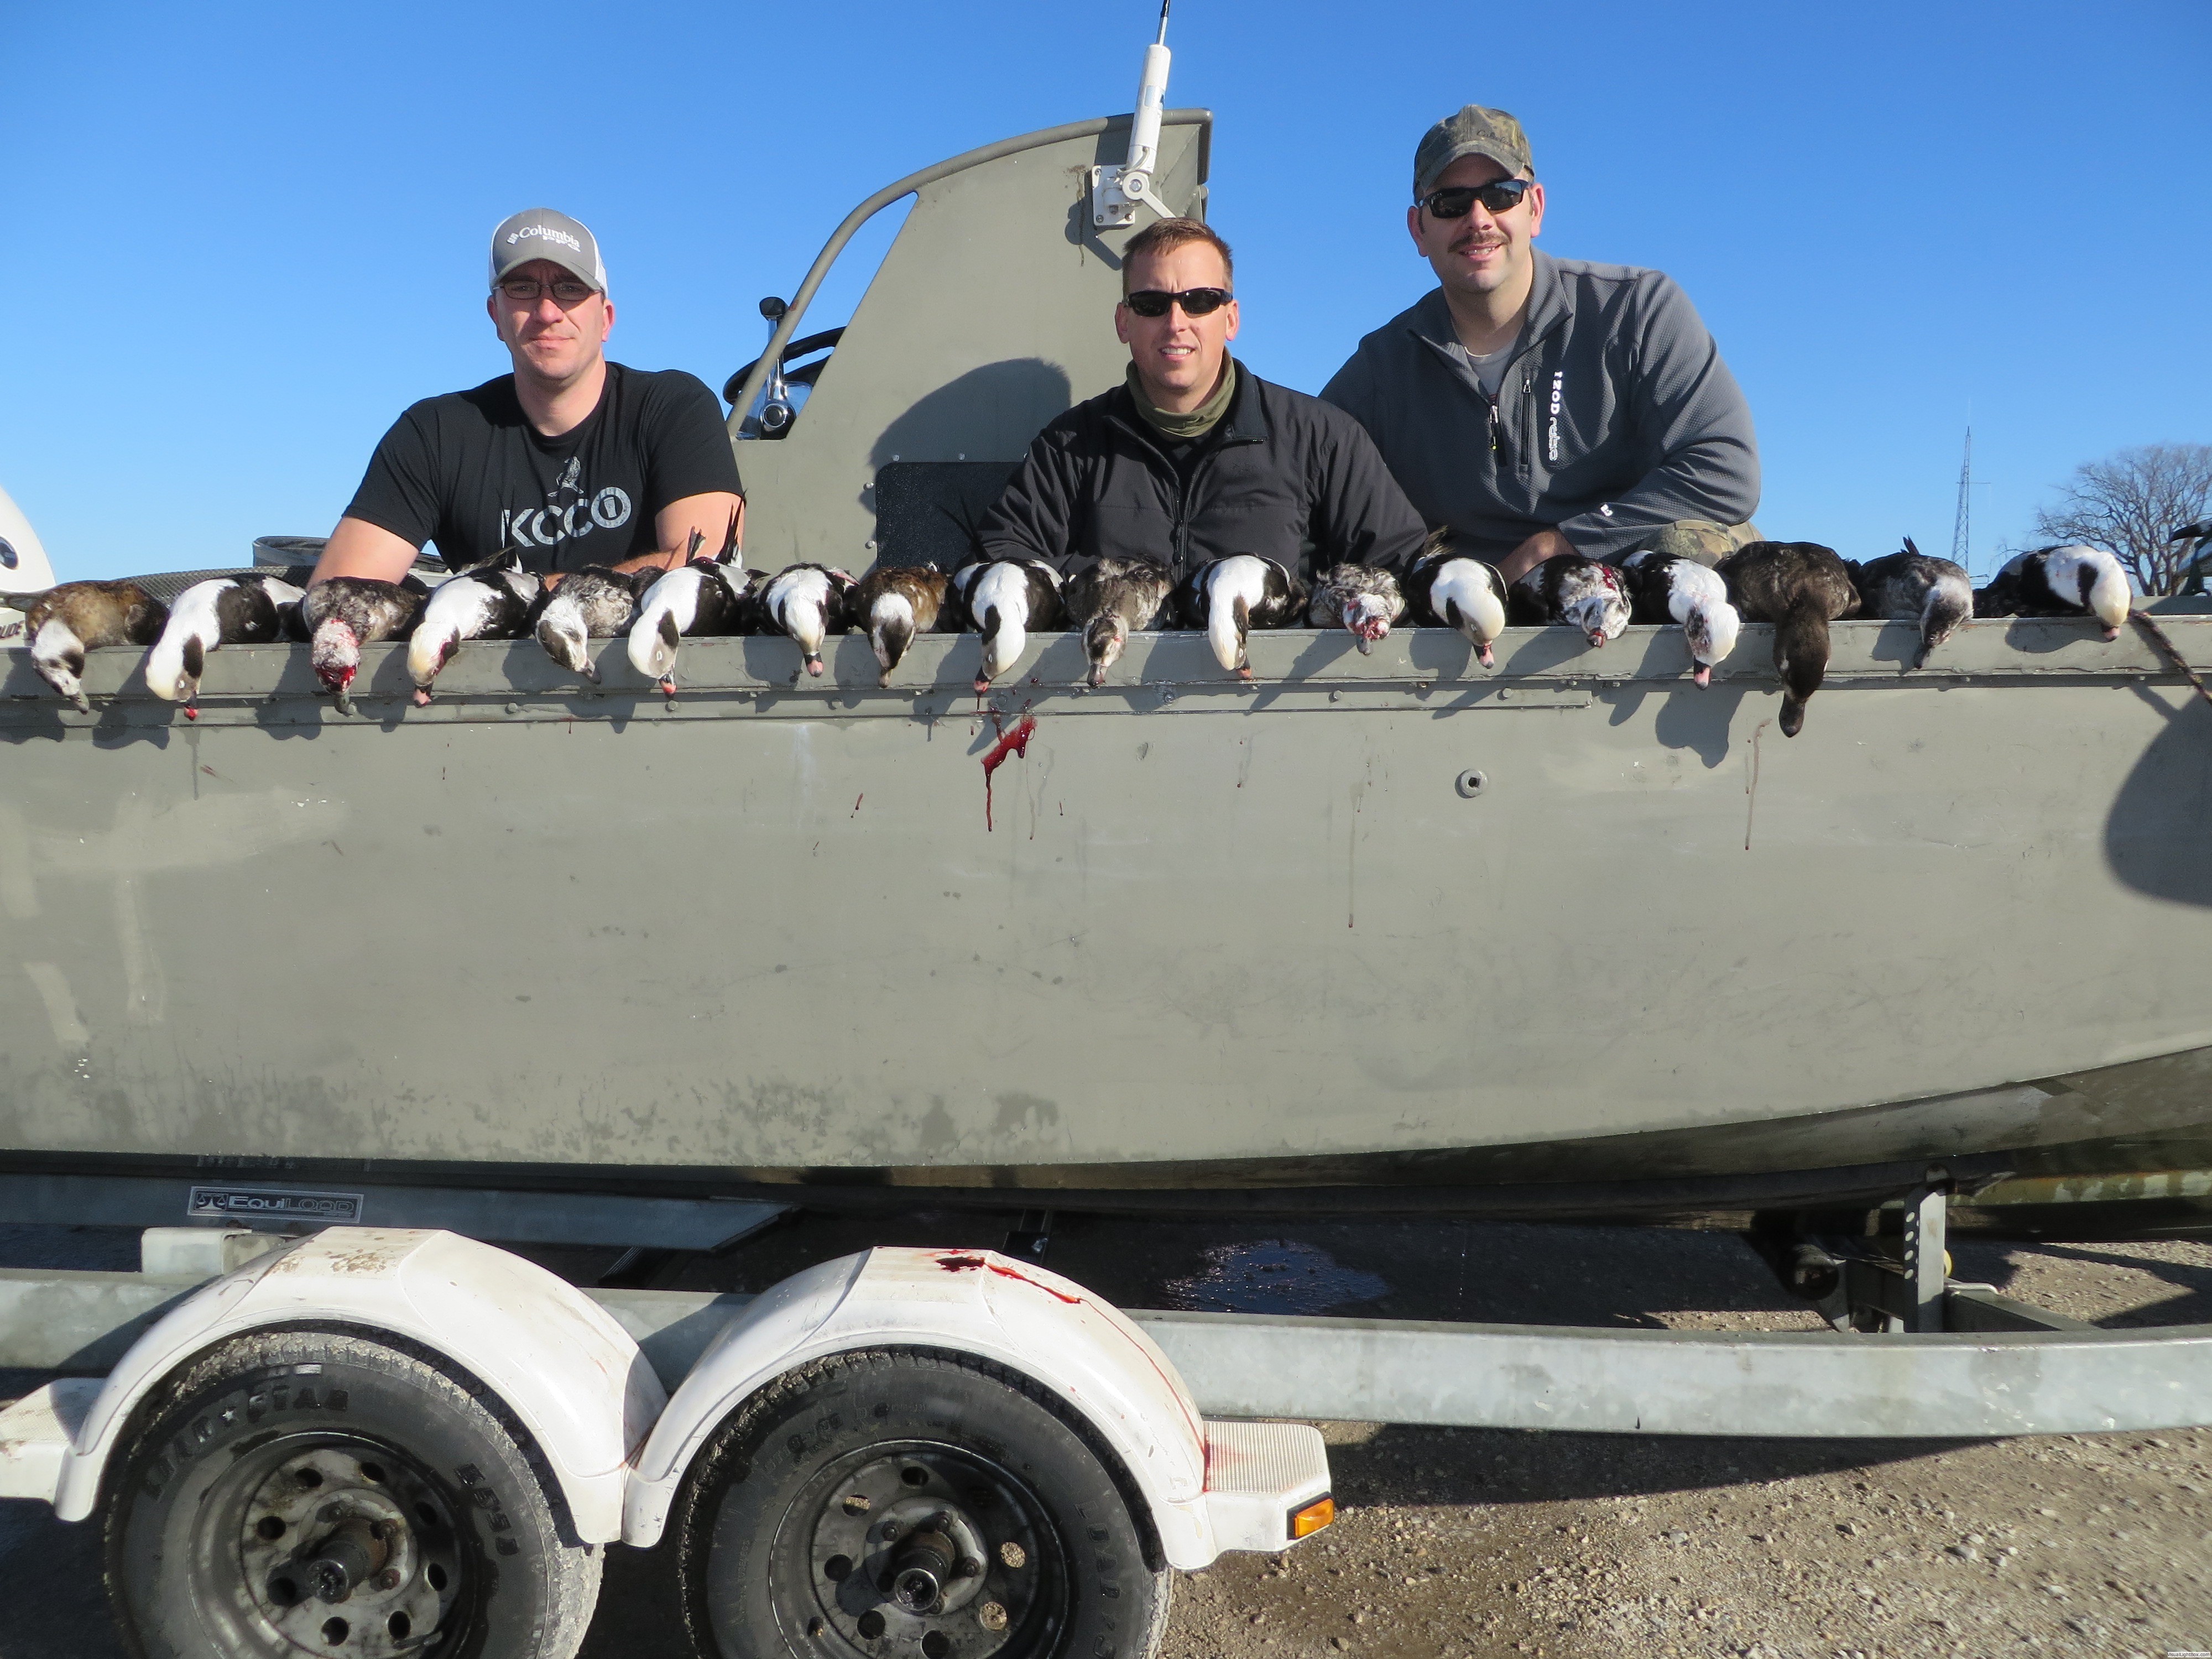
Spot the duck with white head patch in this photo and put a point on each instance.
(1667, 587)
(702, 597)
(488, 602)
(1447, 588)
(1799, 588)
(808, 602)
(1229, 598)
(1584, 594)
(591, 603)
(896, 603)
(2060, 581)
(63, 622)
(340, 614)
(1110, 601)
(250, 610)
(1363, 599)
(1002, 599)
(1933, 594)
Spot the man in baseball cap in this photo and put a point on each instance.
(1540, 406)
(568, 460)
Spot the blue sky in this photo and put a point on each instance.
(241, 237)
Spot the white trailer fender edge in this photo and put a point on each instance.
(559, 1362)
(972, 1302)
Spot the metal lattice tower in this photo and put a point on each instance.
(1958, 530)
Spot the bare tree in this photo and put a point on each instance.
(2131, 504)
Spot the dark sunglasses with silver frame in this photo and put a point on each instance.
(1500, 196)
(1195, 301)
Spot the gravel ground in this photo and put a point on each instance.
(1476, 1542)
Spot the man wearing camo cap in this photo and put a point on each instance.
(569, 460)
(1541, 406)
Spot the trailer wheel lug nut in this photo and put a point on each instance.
(991, 1616)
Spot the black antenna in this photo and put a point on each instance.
(1163, 40)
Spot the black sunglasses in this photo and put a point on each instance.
(1501, 196)
(1195, 301)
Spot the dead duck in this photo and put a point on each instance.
(250, 610)
(896, 603)
(699, 598)
(2060, 581)
(62, 623)
(1799, 588)
(594, 603)
(807, 602)
(489, 601)
(1110, 601)
(342, 614)
(1003, 599)
(1230, 597)
(1909, 586)
(1581, 593)
(1364, 600)
(1448, 589)
(1666, 587)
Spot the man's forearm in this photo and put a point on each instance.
(1544, 544)
(358, 548)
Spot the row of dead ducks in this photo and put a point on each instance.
(1798, 587)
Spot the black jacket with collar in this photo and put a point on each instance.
(1282, 475)
(1616, 416)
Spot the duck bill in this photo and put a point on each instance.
(1703, 676)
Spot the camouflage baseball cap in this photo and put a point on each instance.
(542, 234)
(1474, 130)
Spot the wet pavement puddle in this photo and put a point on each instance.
(1273, 1276)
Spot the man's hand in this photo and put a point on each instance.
(1544, 544)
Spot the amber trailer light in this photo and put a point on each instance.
(1305, 1523)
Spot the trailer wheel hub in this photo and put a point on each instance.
(929, 1550)
(347, 1550)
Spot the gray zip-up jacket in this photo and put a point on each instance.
(1616, 416)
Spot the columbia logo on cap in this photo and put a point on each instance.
(548, 233)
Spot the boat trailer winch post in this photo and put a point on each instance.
(1875, 1281)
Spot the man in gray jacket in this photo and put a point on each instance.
(1541, 406)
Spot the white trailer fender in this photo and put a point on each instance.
(973, 1302)
(559, 1362)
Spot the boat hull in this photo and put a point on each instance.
(1371, 923)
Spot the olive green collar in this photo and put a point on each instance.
(1201, 420)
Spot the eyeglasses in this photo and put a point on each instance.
(1195, 301)
(1500, 196)
(566, 291)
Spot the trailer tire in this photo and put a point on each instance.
(914, 1501)
(280, 1469)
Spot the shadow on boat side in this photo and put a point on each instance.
(2156, 836)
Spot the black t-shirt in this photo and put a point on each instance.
(468, 472)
